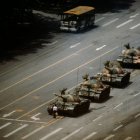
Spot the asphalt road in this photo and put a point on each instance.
(27, 85)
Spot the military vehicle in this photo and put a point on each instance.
(69, 104)
(93, 89)
(113, 74)
(130, 57)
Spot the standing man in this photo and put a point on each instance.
(55, 110)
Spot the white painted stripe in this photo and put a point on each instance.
(99, 19)
(118, 105)
(128, 138)
(75, 45)
(109, 137)
(58, 78)
(137, 94)
(130, 20)
(13, 132)
(33, 132)
(137, 115)
(9, 114)
(97, 118)
(97, 49)
(133, 16)
(51, 43)
(89, 136)
(52, 133)
(110, 22)
(115, 129)
(16, 120)
(5, 125)
(135, 26)
(71, 134)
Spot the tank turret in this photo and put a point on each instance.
(92, 88)
(130, 57)
(113, 74)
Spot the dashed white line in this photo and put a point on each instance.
(75, 45)
(49, 44)
(97, 49)
(128, 138)
(13, 132)
(97, 118)
(71, 134)
(115, 129)
(130, 20)
(137, 94)
(52, 133)
(33, 132)
(9, 114)
(135, 26)
(112, 21)
(109, 137)
(99, 19)
(16, 120)
(5, 125)
(118, 105)
(137, 115)
(89, 136)
(133, 16)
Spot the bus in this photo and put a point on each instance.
(77, 19)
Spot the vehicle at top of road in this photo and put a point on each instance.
(69, 104)
(93, 89)
(130, 57)
(78, 18)
(113, 74)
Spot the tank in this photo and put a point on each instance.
(69, 104)
(130, 57)
(94, 89)
(113, 74)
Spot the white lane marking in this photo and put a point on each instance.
(97, 118)
(97, 49)
(137, 115)
(99, 19)
(110, 22)
(33, 132)
(89, 136)
(137, 94)
(75, 69)
(35, 117)
(115, 129)
(58, 62)
(49, 44)
(52, 133)
(118, 105)
(75, 45)
(5, 125)
(109, 137)
(71, 134)
(130, 20)
(9, 114)
(22, 121)
(133, 16)
(137, 25)
(128, 138)
(13, 132)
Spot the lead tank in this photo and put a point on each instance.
(69, 104)
(93, 89)
(114, 75)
